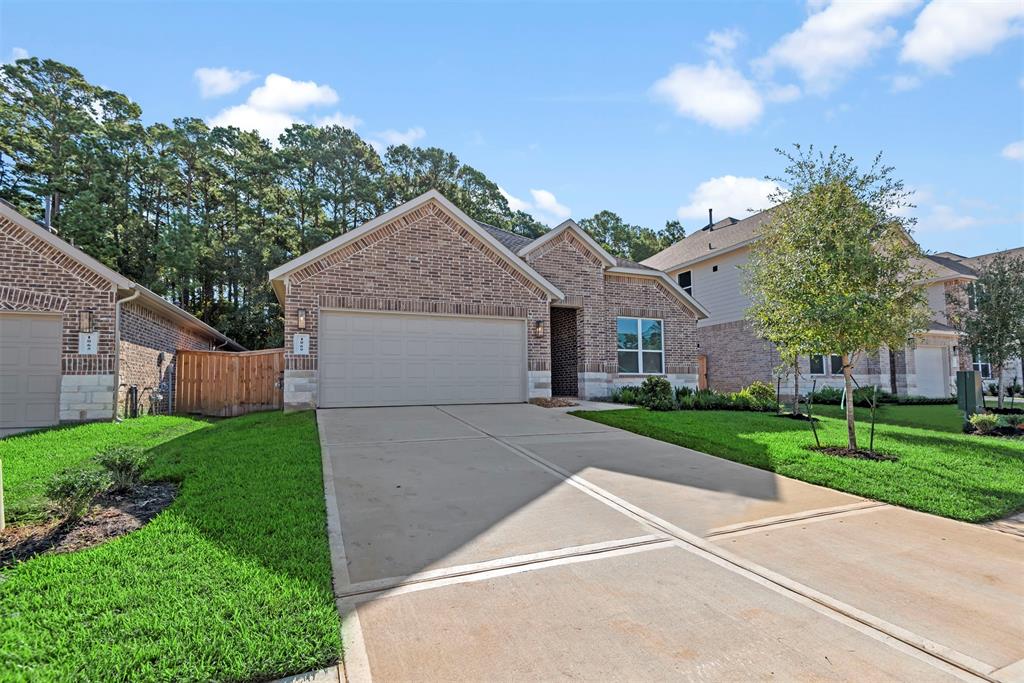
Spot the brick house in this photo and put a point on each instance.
(74, 334)
(425, 305)
(707, 264)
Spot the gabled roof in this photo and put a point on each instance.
(278, 275)
(146, 297)
(669, 283)
(511, 240)
(942, 268)
(714, 240)
(565, 226)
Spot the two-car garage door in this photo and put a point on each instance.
(391, 359)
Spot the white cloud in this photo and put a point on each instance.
(217, 81)
(1014, 150)
(947, 31)
(943, 218)
(721, 44)
(714, 94)
(728, 195)
(339, 119)
(401, 137)
(269, 124)
(274, 106)
(18, 53)
(903, 83)
(545, 206)
(782, 93)
(280, 93)
(834, 41)
(514, 203)
(546, 203)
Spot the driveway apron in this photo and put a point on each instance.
(499, 542)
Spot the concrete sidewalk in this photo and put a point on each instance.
(476, 542)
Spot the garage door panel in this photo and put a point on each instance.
(399, 359)
(29, 370)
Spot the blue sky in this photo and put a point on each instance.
(652, 110)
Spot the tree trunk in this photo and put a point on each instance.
(796, 388)
(851, 429)
(999, 387)
(893, 386)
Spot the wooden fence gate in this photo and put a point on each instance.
(226, 383)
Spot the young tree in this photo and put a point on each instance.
(835, 270)
(991, 316)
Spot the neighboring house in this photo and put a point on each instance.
(1014, 369)
(74, 333)
(424, 305)
(708, 264)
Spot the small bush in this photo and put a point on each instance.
(627, 395)
(827, 396)
(71, 492)
(984, 422)
(923, 400)
(761, 392)
(682, 392)
(656, 394)
(125, 465)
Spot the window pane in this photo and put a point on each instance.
(685, 279)
(652, 335)
(627, 333)
(817, 365)
(837, 365)
(628, 362)
(652, 362)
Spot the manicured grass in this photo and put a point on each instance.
(232, 582)
(941, 417)
(29, 460)
(943, 472)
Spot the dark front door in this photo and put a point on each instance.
(564, 380)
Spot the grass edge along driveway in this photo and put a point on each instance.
(232, 582)
(946, 473)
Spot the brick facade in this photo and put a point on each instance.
(144, 336)
(36, 276)
(426, 261)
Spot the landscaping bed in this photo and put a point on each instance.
(938, 468)
(230, 582)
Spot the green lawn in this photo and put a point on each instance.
(29, 460)
(942, 418)
(940, 470)
(232, 582)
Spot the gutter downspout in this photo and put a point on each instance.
(117, 347)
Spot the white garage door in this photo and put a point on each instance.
(930, 367)
(389, 359)
(29, 371)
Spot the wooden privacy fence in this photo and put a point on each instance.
(225, 383)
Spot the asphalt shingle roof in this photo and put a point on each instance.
(722, 235)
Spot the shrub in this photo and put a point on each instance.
(827, 395)
(71, 492)
(656, 394)
(761, 392)
(984, 422)
(682, 392)
(125, 465)
(627, 395)
(923, 400)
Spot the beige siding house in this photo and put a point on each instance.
(708, 263)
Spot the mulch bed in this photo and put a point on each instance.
(857, 453)
(1004, 432)
(554, 402)
(112, 515)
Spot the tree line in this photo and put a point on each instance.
(200, 214)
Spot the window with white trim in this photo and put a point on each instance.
(972, 297)
(981, 365)
(835, 364)
(641, 346)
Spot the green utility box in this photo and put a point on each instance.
(969, 396)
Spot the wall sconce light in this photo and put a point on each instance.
(85, 321)
(538, 328)
(302, 319)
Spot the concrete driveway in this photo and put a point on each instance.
(516, 542)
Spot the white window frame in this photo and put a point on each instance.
(826, 365)
(639, 350)
(979, 364)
